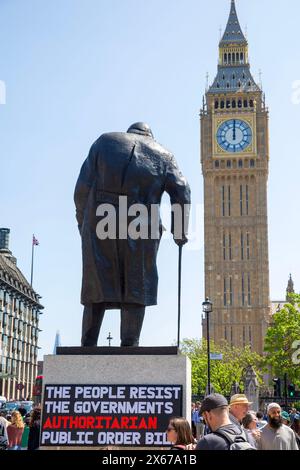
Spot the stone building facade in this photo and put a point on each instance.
(20, 309)
(235, 165)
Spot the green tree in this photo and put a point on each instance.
(223, 373)
(280, 341)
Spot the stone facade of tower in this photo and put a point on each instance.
(235, 161)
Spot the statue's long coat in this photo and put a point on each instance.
(123, 271)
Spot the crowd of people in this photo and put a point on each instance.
(20, 430)
(216, 425)
(219, 425)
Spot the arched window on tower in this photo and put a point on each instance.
(228, 104)
(225, 58)
(222, 104)
(251, 103)
(245, 103)
(216, 104)
(234, 104)
(252, 163)
(217, 164)
(240, 163)
(241, 57)
(240, 104)
(239, 84)
(233, 58)
(229, 58)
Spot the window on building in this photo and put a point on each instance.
(244, 336)
(225, 292)
(223, 201)
(248, 245)
(251, 103)
(234, 104)
(228, 163)
(216, 104)
(222, 104)
(240, 163)
(240, 104)
(241, 57)
(245, 104)
(230, 247)
(231, 291)
(217, 164)
(224, 247)
(229, 201)
(243, 290)
(225, 333)
(225, 58)
(228, 102)
(247, 200)
(252, 163)
(241, 200)
(249, 290)
(242, 246)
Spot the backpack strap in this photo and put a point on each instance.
(231, 439)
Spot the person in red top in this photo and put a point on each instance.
(15, 431)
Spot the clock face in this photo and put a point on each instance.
(234, 135)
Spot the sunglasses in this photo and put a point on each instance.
(169, 428)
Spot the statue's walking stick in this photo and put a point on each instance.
(179, 294)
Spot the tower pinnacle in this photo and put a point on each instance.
(290, 289)
(233, 33)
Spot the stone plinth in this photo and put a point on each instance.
(121, 370)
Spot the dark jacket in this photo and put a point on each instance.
(34, 436)
(121, 164)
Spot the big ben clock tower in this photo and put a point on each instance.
(235, 160)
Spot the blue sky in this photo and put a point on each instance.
(74, 69)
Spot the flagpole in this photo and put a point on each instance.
(32, 258)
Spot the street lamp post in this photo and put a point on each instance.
(207, 309)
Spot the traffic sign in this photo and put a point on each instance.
(216, 357)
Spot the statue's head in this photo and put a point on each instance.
(140, 128)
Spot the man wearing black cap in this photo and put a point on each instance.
(215, 412)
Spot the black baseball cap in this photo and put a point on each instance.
(213, 401)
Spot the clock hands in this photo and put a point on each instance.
(234, 130)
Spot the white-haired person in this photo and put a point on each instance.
(276, 435)
(239, 406)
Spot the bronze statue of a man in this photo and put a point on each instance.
(120, 272)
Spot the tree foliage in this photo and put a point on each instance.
(281, 341)
(223, 373)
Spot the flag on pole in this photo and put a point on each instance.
(35, 241)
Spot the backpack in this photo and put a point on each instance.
(236, 441)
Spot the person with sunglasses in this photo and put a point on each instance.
(179, 433)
